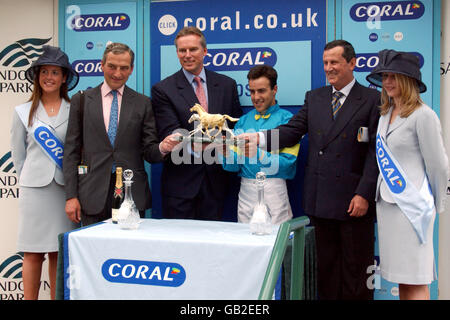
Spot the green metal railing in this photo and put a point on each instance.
(297, 226)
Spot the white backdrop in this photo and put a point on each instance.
(19, 20)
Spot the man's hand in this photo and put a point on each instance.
(73, 210)
(220, 146)
(358, 206)
(169, 143)
(200, 146)
(251, 143)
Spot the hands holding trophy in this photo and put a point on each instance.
(209, 127)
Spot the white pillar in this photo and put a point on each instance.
(444, 219)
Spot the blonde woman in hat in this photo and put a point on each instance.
(413, 175)
(37, 141)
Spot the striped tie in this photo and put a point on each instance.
(336, 103)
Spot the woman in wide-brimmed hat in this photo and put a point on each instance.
(37, 141)
(413, 175)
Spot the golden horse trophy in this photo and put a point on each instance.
(211, 125)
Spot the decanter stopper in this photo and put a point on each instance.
(128, 175)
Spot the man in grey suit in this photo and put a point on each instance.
(341, 172)
(109, 126)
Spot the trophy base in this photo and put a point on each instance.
(216, 140)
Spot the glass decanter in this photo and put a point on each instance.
(261, 221)
(128, 217)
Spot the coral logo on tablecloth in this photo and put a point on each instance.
(166, 274)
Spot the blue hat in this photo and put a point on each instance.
(396, 62)
(53, 56)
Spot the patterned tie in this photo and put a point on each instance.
(112, 128)
(200, 93)
(336, 103)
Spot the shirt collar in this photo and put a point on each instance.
(190, 77)
(268, 112)
(271, 109)
(106, 89)
(346, 90)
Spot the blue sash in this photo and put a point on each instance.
(417, 205)
(43, 135)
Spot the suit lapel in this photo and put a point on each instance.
(383, 124)
(61, 118)
(63, 113)
(399, 121)
(93, 110)
(214, 92)
(351, 105)
(126, 110)
(324, 111)
(186, 90)
(42, 115)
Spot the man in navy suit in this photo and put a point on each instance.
(341, 172)
(192, 189)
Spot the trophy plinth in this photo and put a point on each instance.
(222, 140)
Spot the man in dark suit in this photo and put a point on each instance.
(114, 127)
(341, 172)
(192, 189)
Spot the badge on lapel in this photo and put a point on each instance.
(363, 134)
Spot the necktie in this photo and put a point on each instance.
(112, 128)
(200, 93)
(336, 103)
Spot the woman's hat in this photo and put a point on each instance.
(396, 62)
(53, 56)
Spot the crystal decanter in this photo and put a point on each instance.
(261, 221)
(128, 217)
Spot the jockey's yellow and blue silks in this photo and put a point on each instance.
(44, 136)
(276, 164)
(417, 205)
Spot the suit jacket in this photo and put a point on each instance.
(338, 166)
(33, 167)
(136, 141)
(416, 143)
(172, 98)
